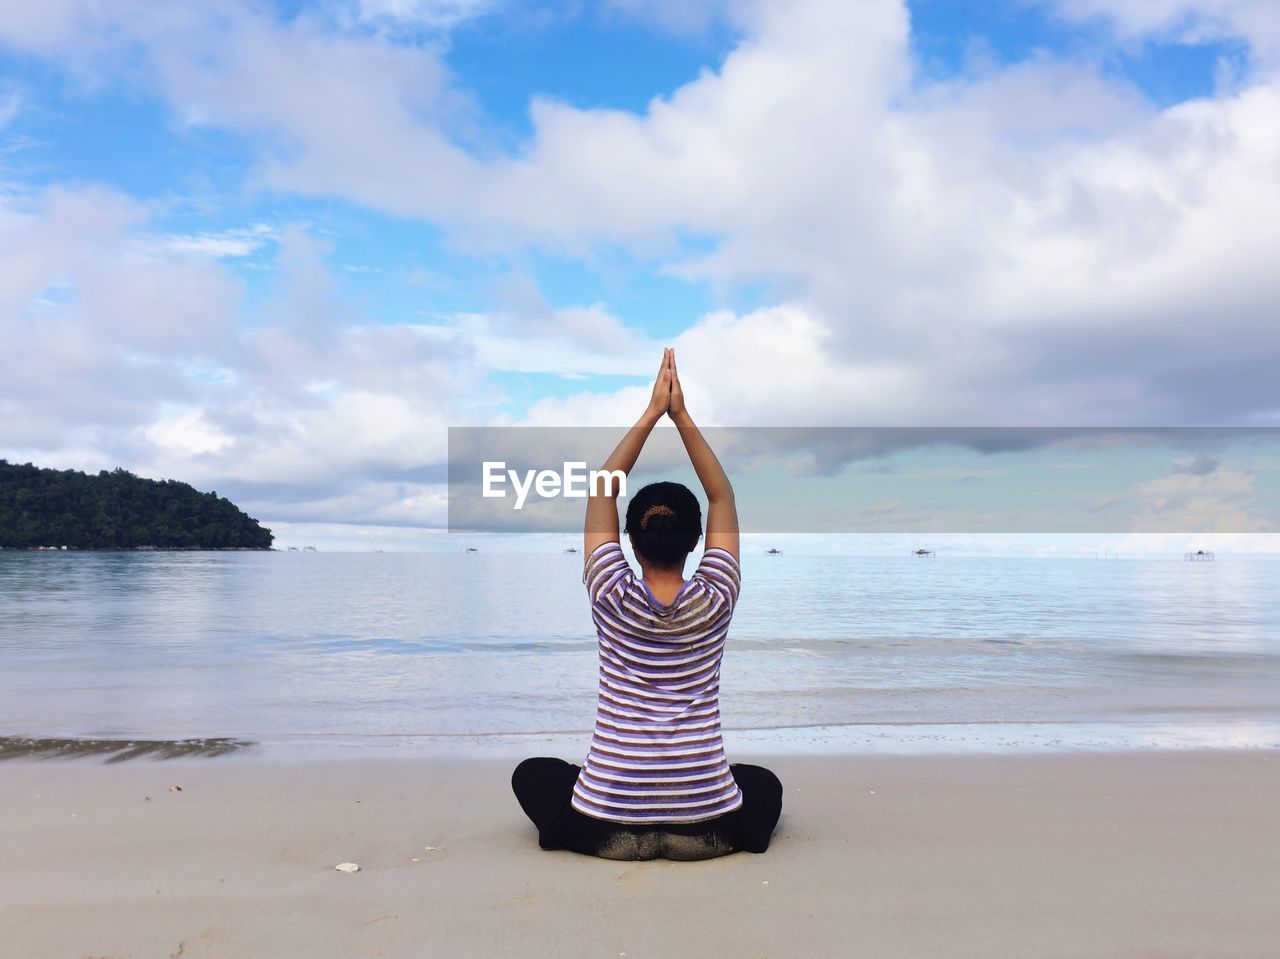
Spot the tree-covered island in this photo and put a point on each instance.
(46, 508)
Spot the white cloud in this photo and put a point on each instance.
(224, 243)
(770, 367)
(1036, 241)
(527, 354)
(43, 27)
(1186, 21)
(131, 349)
(187, 433)
(427, 13)
(685, 17)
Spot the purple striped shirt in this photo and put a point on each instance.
(656, 755)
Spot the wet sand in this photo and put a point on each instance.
(1128, 854)
(115, 750)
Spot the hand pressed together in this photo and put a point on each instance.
(660, 399)
(667, 397)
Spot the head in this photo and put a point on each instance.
(664, 522)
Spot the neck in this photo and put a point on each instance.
(663, 583)
(655, 574)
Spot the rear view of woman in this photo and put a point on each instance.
(656, 782)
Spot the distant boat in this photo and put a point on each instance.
(572, 549)
(473, 549)
(773, 551)
(922, 552)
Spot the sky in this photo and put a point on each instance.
(276, 249)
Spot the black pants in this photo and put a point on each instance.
(544, 787)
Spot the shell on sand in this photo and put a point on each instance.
(347, 867)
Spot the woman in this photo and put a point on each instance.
(656, 782)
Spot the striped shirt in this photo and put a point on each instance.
(657, 755)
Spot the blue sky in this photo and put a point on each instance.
(277, 248)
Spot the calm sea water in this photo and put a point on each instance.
(307, 651)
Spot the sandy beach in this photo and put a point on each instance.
(1135, 855)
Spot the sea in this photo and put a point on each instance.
(316, 654)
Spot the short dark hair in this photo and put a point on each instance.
(664, 521)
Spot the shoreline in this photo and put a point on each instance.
(1249, 733)
(1157, 854)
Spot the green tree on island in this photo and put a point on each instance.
(117, 510)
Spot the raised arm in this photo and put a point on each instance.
(601, 524)
(722, 511)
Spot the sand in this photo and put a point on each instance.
(1136, 855)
